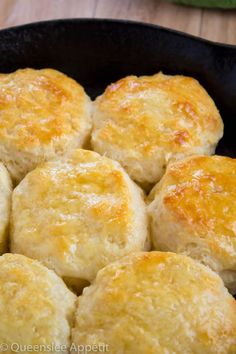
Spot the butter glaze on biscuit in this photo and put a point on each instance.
(156, 303)
(78, 214)
(43, 114)
(143, 122)
(36, 308)
(193, 211)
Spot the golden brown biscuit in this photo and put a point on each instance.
(36, 308)
(78, 214)
(194, 212)
(44, 114)
(5, 199)
(143, 122)
(156, 303)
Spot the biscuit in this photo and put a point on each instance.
(5, 200)
(193, 211)
(44, 114)
(157, 303)
(144, 122)
(78, 214)
(36, 308)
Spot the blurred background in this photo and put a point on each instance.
(214, 24)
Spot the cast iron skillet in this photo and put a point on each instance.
(97, 52)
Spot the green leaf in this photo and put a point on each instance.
(223, 4)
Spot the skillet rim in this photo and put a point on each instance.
(124, 22)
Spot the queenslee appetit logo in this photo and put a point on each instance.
(53, 348)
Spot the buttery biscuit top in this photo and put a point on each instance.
(42, 113)
(39, 105)
(154, 117)
(195, 204)
(36, 307)
(77, 214)
(157, 303)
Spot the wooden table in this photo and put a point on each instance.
(212, 24)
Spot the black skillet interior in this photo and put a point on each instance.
(98, 52)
